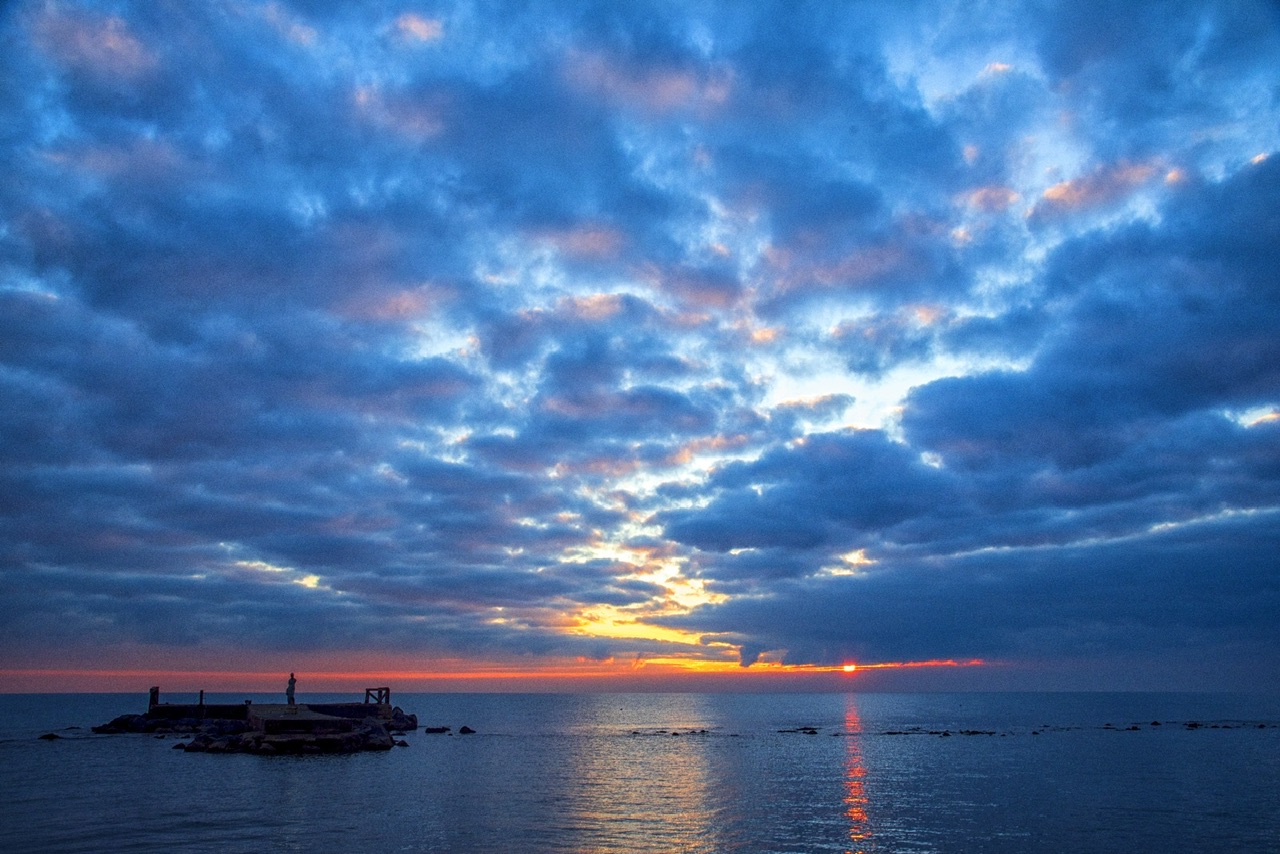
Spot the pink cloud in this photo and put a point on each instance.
(991, 199)
(417, 118)
(1099, 188)
(414, 28)
(585, 242)
(138, 160)
(649, 89)
(98, 45)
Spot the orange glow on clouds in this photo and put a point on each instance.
(1103, 186)
(663, 673)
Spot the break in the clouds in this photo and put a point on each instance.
(708, 332)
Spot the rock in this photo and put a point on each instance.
(124, 723)
(221, 726)
(436, 730)
(180, 746)
(399, 720)
(466, 730)
(373, 736)
(402, 743)
(50, 736)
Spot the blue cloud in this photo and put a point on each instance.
(815, 333)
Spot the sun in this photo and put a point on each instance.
(849, 668)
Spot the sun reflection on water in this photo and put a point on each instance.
(855, 797)
(647, 784)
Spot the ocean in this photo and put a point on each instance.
(671, 773)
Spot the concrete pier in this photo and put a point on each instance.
(279, 718)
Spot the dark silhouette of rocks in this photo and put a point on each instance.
(368, 735)
(270, 729)
(466, 730)
(146, 724)
(400, 720)
(123, 723)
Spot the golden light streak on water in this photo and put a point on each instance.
(855, 798)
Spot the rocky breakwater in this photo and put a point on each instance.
(172, 726)
(297, 731)
(369, 734)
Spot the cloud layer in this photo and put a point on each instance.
(721, 332)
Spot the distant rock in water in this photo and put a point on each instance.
(466, 730)
(50, 736)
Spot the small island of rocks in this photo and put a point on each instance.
(270, 729)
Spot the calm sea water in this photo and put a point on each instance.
(609, 773)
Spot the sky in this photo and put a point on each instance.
(714, 345)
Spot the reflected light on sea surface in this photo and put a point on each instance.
(855, 798)
(653, 786)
